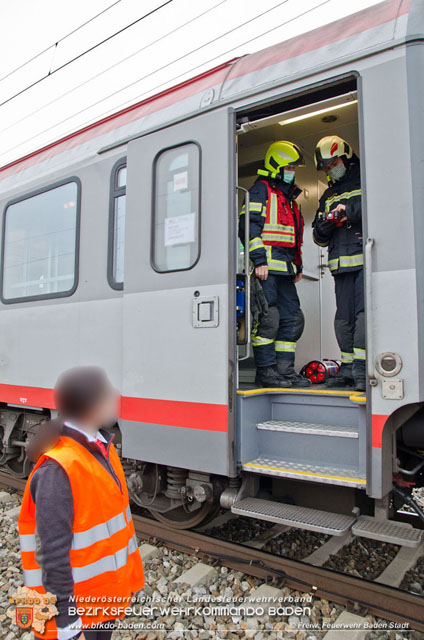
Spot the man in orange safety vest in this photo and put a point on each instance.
(75, 527)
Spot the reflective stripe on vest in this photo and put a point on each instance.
(103, 535)
(33, 577)
(85, 538)
(273, 231)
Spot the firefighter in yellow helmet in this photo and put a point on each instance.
(338, 226)
(275, 248)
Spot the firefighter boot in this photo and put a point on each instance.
(286, 370)
(343, 379)
(269, 377)
(360, 384)
(359, 375)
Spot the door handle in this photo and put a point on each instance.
(205, 312)
(368, 296)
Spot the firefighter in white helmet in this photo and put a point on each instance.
(338, 226)
(275, 248)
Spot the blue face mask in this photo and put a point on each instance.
(337, 172)
(288, 176)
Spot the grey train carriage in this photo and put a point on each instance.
(120, 248)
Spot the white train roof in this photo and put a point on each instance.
(344, 40)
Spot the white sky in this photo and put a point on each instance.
(175, 42)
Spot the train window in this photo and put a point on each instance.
(118, 189)
(40, 244)
(176, 210)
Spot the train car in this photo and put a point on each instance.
(120, 248)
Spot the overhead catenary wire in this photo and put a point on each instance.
(80, 55)
(175, 78)
(54, 44)
(113, 66)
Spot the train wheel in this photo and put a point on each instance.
(181, 519)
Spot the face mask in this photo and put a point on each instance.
(337, 172)
(288, 176)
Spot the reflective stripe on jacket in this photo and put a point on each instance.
(104, 556)
(276, 227)
(345, 250)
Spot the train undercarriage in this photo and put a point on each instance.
(187, 498)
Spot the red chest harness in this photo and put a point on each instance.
(283, 223)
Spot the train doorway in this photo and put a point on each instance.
(303, 125)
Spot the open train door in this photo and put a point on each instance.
(179, 308)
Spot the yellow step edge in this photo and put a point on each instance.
(327, 392)
(305, 473)
(355, 397)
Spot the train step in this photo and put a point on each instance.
(387, 531)
(334, 524)
(309, 428)
(329, 474)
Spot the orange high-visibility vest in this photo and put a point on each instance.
(104, 556)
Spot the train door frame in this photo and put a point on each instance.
(261, 111)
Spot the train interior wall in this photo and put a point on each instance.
(316, 289)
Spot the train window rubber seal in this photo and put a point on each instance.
(153, 204)
(114, 192)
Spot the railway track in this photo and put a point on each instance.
(376, 598)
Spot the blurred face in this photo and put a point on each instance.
(335, 162)
(106, 412)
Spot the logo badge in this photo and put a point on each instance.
(334, 148)
(24, 617)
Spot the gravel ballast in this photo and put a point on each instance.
(414, 578)
(296, 544)
(161, 573)
(363, 558)
(239, 529)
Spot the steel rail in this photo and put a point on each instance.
(393, 604)
(7, 480)
(383, 601)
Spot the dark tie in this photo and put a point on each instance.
(101, 446)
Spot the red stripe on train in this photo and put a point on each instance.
(378, 422)
(27, 396)
(174, 413)
(191, 415)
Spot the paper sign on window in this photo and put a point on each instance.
(180, 181)
(179, 230)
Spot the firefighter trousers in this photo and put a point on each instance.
(279, 328)
(349, 322)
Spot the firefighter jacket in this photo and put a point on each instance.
(345, 250)
(104, 555)
(276, 227)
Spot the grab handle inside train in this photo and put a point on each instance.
(247, 316)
